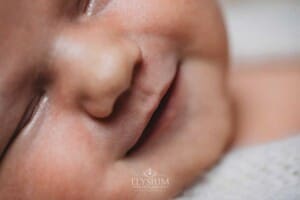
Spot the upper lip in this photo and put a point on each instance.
(155, 117)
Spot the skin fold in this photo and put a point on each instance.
(101, 79)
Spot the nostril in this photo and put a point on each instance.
(100, 110)
(94, 68)
(111, 77)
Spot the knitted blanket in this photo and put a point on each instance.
(265, 172)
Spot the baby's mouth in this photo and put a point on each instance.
(157, 118)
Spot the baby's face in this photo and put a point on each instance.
(94, 93)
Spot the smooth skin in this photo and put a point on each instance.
(98, 79)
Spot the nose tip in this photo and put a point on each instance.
(111, 76)
(94, 69)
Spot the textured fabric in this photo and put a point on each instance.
(266, 172)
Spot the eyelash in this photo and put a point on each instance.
(89, 7)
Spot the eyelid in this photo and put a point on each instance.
(91, 7)
(29, 113)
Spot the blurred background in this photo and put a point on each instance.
(264, 38)
(263, 30)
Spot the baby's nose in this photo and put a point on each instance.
(94, 67)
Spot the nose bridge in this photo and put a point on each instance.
(94, 67)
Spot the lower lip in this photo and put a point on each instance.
(156, 118)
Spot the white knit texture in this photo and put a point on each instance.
(265, 172)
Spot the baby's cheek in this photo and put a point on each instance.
(168, 18)
(53, 165)
(48, 171)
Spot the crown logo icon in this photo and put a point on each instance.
(150, 173)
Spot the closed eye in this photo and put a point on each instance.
(26, 118)
(91, 7)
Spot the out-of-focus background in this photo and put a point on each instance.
(263, 29)
(264, 38)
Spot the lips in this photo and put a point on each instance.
(141, 106)
(156, 117)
